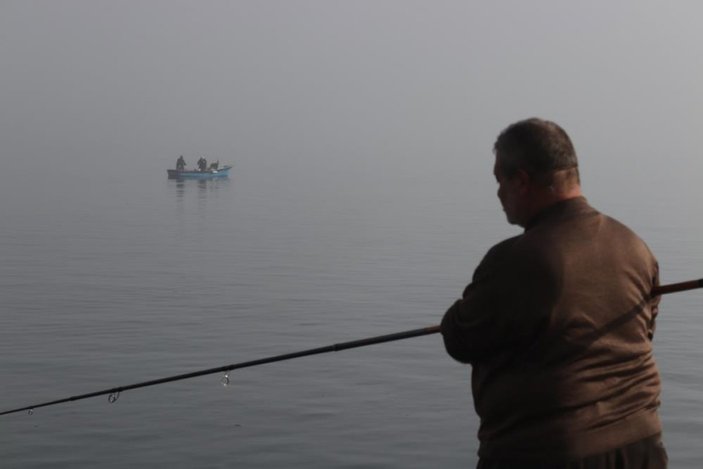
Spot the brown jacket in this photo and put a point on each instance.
(557, 325)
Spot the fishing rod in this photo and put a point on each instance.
(114, 393)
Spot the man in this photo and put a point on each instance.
(557, 322)
(202, 164)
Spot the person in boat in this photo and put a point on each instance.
(557, 322)
(202, 164)
(214, 166)
(180, 163)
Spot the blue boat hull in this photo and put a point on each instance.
(190, 174)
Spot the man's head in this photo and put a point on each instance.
(535, 167)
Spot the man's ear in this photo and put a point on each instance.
(523, 181)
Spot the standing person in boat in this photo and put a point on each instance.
(557, 322)
(180, 163)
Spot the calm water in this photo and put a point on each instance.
(110, 278)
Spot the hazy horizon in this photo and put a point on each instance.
(365, 83)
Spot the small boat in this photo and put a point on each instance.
(197, 174)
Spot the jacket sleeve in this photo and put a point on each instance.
(507, 303)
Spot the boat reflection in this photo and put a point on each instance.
(204, 187)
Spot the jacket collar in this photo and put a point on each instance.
(559, 210)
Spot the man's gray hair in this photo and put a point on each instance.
(537, 146)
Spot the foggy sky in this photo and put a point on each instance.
(295, 85)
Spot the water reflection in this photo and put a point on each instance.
(204, 187)
(199, 194)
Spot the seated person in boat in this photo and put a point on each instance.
(202, 164)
